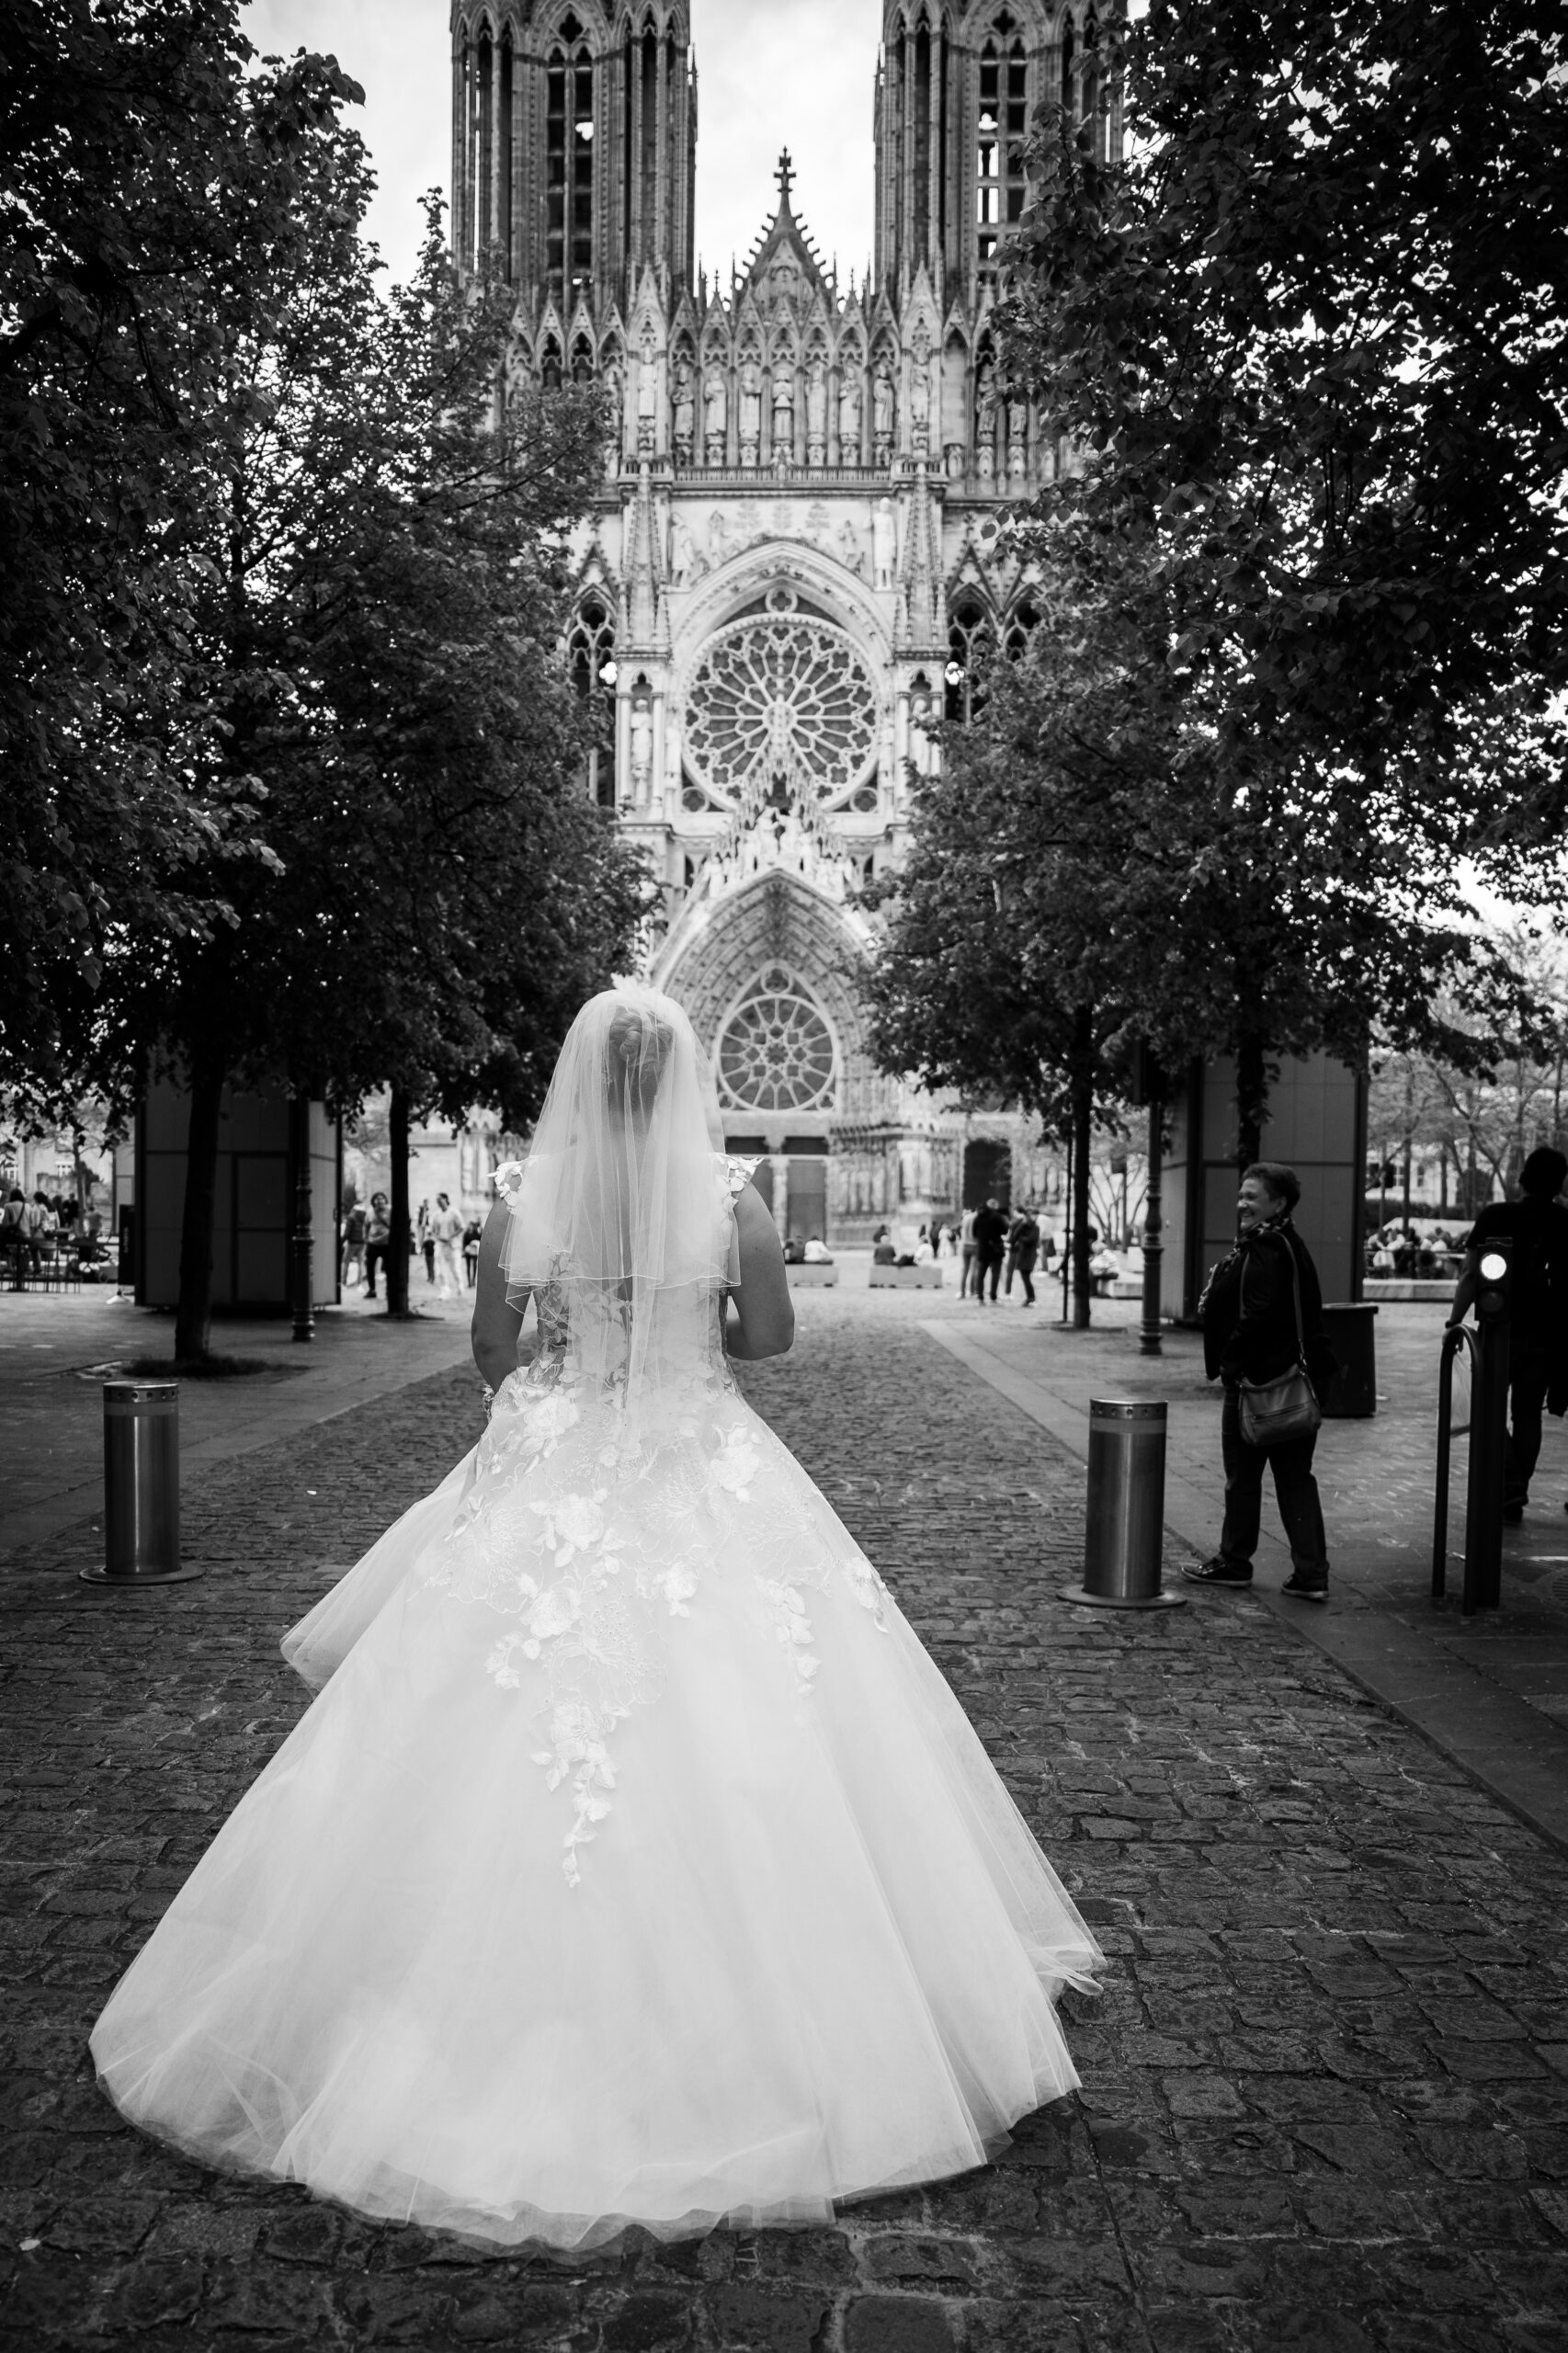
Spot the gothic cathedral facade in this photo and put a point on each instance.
(787, 572)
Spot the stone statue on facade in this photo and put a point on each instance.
(849, 413)
(685, 411)
(885, 408)
(687, 563)
(1018, 437)
(920, 388)
(851, 554)
(715, 411)
(816, 412)
(717, 537)
(783, 413)
(985, 421)
(751, 412)
(647, 395)
(615, 416)
(884, 543)
(641, 750)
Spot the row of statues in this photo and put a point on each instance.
(702, 407)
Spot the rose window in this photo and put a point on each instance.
(777, 1051)
(781, 698)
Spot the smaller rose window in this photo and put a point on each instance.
(777, 1051)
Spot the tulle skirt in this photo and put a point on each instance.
(634, 1864)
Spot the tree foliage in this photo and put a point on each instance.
(150, 197)
(1306, 338)
(318, 815)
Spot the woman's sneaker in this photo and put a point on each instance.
(1307, 1585)
(1218, 1570)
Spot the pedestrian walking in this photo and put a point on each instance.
(473, 1233)
(425, 1241)
(562, 1909)
(356, 1226)
(990, 1248)
(1262, 1316)
(1536, 1228)
(968, 1250)
(13, 1235)
(446, 1232)
(378, 1243)
(1023, 1248)
(40, 1229)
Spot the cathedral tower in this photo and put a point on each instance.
(788, 571)
(955, 89)
(574, 146)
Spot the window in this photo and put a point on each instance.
(1001, 128)
(971, 644)
(569, 165)
(1019, 629)
(783, 704)
(590, 655)
(775, 1053)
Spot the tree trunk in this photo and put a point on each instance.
(193, 1314)
(1082, 1125)
(1252, 1101)
(397, 1245)
(1409, 1156)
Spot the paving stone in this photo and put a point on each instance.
(897, 2324)
(1324, 2100)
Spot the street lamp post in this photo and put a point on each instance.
(301, 1271)
(1149, 1343)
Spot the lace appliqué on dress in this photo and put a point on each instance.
(594, 1529)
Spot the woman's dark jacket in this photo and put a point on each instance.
(1249, 1311)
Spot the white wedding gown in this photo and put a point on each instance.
(634, 1864)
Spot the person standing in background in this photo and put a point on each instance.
(1262, 1312)
(425, 1241)
(378, 1241)
(1023, 1248)
(446, 1232)
(968, 1245)
(1536, 1228)
(990, 1247)
(355, 1227)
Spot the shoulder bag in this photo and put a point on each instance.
(1273, 1413)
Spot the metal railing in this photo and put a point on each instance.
(1458, 1338)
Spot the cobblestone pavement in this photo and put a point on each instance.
(1325, 2091)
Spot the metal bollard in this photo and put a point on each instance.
(1125, 1534)
(141, 1486)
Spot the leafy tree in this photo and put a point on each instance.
(1305, 337)
(152, 197)
(388, 569)
(1093, 866)
(366, 854)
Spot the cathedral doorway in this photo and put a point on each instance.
(987, 1173)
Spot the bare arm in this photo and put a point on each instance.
(762, 1321)
(497, 1323)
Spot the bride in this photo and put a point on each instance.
(634, 1864)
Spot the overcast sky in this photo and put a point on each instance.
(772, 74)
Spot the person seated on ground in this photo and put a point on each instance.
(794, 1250)
(885, 1255)
(817, 1252)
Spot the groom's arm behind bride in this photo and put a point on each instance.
(762, 1318)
